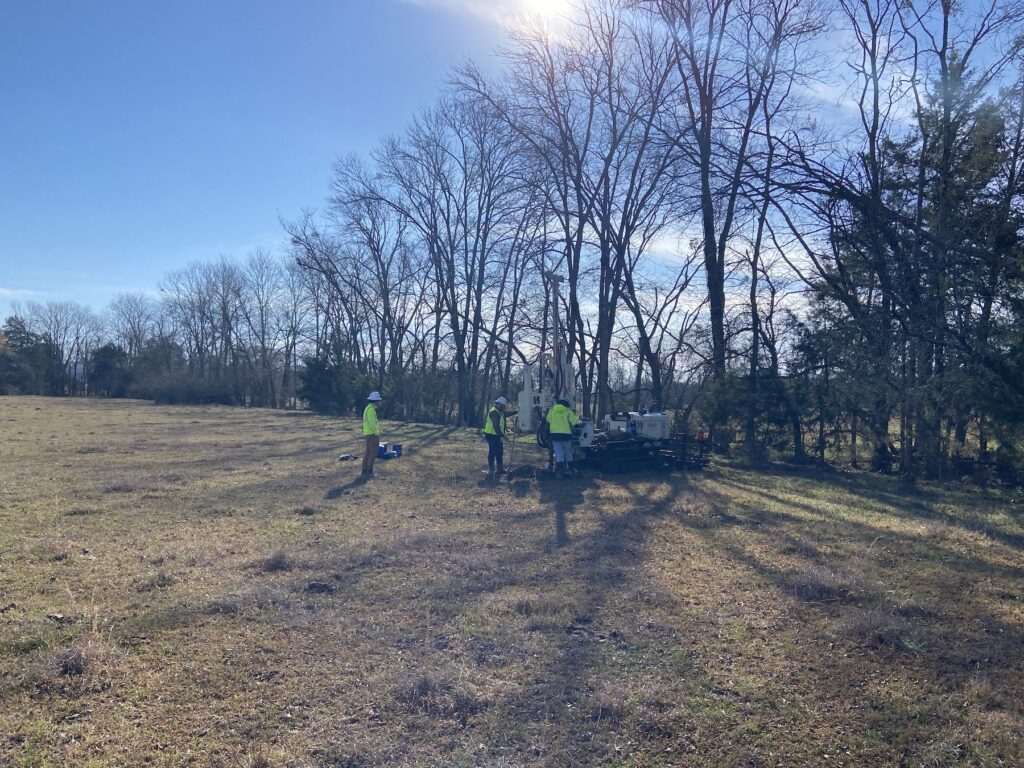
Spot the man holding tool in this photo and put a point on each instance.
(494, 432)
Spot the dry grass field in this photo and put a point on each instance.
(207, 586)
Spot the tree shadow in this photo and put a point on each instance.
(867, 532)
(424, 437)
(402, 586)
(843, 593)
(521, 488)
(564, 495)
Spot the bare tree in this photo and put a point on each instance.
(261, 294)
(74, 330)
(131, 322)
(452, 177)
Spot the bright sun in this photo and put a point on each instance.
(549, 9)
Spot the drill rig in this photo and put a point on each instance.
(556, 375)
(626, 440)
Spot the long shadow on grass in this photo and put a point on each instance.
(924, 505)
(563, 495)
(316, 434)
(893, 499)
(408, 581)
(419, 437)
(356, 482)
(971, 564)
(444, 577)
(560, 710)
(954, 647)
(452, 573)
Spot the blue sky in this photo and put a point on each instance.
(136, 137)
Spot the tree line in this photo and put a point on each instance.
(797, 222)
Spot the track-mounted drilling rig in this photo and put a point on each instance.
(623, 441)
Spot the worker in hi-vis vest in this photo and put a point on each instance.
(494, 432)
(371, 432)
(561, 419)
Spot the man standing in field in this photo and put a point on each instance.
(494, 432)
(371, 433)
(561, 419)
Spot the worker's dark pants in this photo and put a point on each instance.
(495, 451)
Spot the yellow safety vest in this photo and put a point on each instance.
(489, 423)
(370, 426)
(561, 419)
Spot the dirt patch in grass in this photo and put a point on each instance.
(229, 596)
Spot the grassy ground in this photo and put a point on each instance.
(208, 587)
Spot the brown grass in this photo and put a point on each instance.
(213, 588)
(279, 561)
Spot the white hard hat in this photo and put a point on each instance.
(374, 397)
(501, 401)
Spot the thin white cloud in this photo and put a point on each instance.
(499, 11)
(491, 10)
(14, 293)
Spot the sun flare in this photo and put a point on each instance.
(548, 9)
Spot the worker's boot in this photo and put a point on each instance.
(501, 469)
(490, 474)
